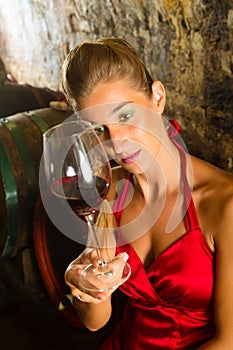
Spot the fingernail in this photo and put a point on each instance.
(124, 257)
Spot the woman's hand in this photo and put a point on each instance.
(89, 256)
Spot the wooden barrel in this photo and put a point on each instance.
(15, 98)
(54, 252)
(20, 155)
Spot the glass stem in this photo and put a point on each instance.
(92, 230)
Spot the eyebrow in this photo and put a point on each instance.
(120, 105)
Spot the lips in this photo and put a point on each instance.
(131, 158)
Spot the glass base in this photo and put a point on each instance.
(107, 276)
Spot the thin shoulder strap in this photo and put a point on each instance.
(120, 201)
(191, 220)
(191, 214)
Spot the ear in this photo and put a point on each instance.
(159, 96)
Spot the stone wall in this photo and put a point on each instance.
(188, 45)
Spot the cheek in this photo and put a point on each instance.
(144, 138)
(151, 146)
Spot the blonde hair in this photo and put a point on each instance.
(104, 60)
(106, 228)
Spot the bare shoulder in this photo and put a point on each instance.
(213, 197)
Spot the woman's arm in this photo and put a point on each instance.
(223, 238)
(93, 316)
(94, 309)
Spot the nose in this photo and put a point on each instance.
(118, 138)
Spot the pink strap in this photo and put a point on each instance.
(173, 129)
(119, 203)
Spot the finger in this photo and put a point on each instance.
(92, 257)
(123, 256)
(94, 298)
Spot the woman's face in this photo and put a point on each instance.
(132, 122)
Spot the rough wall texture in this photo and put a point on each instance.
(188, 45)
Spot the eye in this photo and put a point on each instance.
(100, 130)
(125, 116)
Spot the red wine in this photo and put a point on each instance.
(83, 198)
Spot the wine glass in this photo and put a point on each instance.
(78, 173)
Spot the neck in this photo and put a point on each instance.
(164, 175)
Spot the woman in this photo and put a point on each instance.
(181, 286)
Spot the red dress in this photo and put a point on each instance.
(170, 306)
